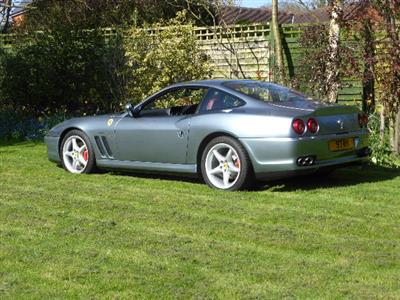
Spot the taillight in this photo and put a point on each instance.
(363, 120)
(312, 125)
(298, 126)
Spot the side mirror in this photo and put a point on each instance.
(133, 111)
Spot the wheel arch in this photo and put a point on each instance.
(63, 134)
(205, 142)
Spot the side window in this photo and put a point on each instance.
(171, 98)
(219, 100)
(182, 101)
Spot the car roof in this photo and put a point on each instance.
(213, 82)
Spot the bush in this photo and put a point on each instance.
(163, 57)
(382, 153)
(82, 71)
(17, 126)
(64, 70)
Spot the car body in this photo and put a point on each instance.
(167, 134)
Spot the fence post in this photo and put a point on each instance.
(271, 54)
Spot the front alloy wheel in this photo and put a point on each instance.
(76, 152)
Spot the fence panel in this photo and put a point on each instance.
(237, 51)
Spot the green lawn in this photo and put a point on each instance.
(110, 236)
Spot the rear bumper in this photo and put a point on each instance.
(274, 155)
(52, 148)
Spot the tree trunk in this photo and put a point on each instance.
(334, 39)
(382, 126)
(368, 77)
(396, 131)
(278, 49)
(393, 33)
(391, 132)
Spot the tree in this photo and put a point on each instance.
(71, 70)
(202, 11)
(278, 50)
(336, 7)
(387, 73)
(91, 14)
(78, 14)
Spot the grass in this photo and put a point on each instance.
(123, 236)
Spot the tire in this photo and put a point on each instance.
(226, 165)
(77, 157)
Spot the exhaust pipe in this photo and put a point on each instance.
(305, 161)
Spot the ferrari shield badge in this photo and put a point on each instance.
(110, 122)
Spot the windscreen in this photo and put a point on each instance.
(266, 91)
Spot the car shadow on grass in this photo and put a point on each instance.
(338, 178)
(159, 176)
(341, 177)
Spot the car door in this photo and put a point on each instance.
(159, 133)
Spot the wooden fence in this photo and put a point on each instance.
(237, 51)
(246, 51)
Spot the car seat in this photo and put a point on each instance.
(215, 103)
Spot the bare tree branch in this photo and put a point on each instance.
(227, 39)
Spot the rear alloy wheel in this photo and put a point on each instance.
(225, 164)
(76, 153)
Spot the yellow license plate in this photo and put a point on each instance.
(341, 145)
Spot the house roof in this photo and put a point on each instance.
(236, 15)
(21, 7)
(350, 12)
(231, 15)
(17, 11)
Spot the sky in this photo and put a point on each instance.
(254, 3)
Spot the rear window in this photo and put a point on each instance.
(265, 91)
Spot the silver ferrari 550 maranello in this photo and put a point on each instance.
(230, 132)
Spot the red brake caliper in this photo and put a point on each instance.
(86, 155)
(237, 163)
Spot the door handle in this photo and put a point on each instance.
(180, 134)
